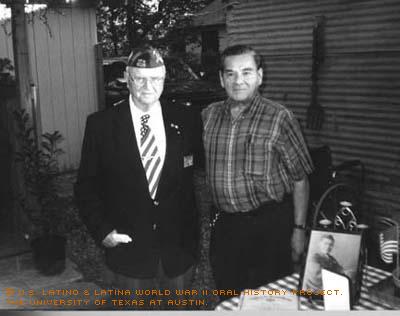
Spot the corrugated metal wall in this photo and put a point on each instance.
(359, 81)
(62, 54)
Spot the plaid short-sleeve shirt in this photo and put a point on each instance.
(254, 158)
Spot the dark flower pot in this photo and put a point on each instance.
(4, 76)
(49, 254)
(7, 90)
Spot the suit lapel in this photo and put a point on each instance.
(170, 169)
(126, 145)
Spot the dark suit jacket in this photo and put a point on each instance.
(112, 193)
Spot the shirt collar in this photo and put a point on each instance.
(137, 113)
(251, 105)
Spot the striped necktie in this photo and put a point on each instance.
(150, 155)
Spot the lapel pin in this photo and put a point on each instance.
(176, 127)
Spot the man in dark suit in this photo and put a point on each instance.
(134, 187)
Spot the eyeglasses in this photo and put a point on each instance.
(140, 81)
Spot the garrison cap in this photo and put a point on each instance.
(145, 57)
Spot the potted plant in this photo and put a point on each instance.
(7, 82)
(40, 202)
(5, 68)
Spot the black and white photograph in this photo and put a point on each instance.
(180, 154)
(337, 252)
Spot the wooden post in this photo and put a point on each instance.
(21, 54)
(24, 99)
(99, 76)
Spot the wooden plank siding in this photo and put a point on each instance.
(6, 45)
(359, 80)
(62, 55)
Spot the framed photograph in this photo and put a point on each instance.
(338, 252)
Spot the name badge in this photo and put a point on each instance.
(187, 161)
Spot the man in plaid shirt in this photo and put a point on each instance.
(257, 164)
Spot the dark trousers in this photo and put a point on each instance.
(252, 249)
(160, 282)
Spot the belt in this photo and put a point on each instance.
(264, 207)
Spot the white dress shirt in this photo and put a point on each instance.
(156, 124)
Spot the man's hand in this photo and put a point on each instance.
(113, 239)
(298, 241)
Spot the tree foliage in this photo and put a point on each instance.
(124, 24)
